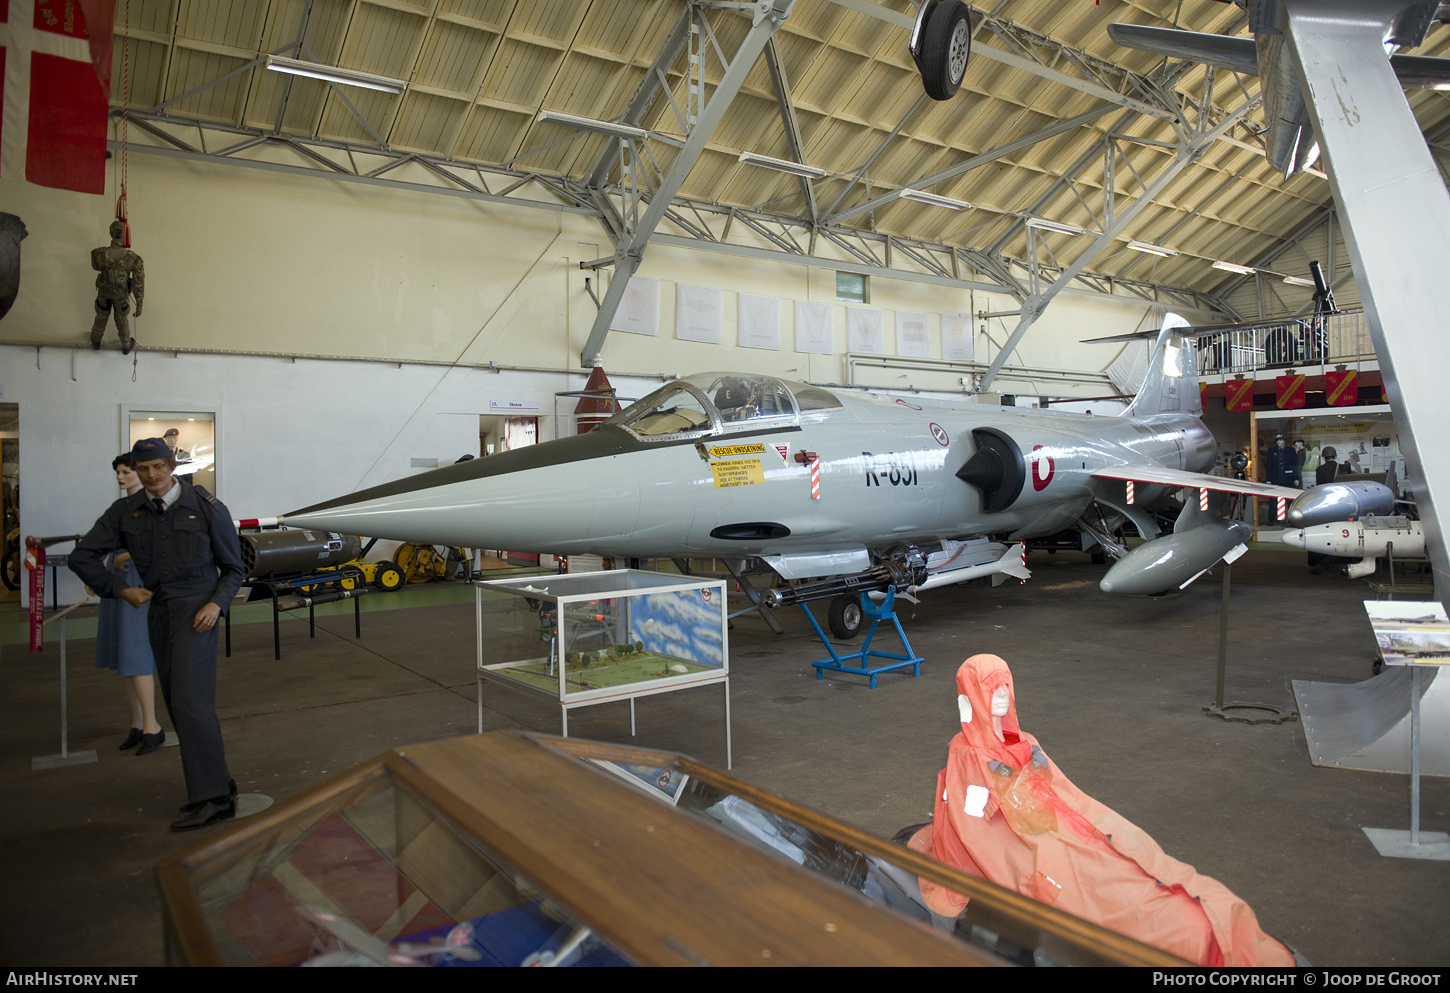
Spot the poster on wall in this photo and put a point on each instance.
(864, 332)
(957, 341)
(911, 335)
(815, 327)
(759, 322)
(191, 436)
(700, 314)
(639, 309)
(1358, 447)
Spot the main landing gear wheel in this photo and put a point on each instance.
(845, 616)
(946, 44)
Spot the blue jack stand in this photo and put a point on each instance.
(886, 611)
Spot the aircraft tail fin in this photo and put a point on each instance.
(1171, 386)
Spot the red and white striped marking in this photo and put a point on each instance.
(1283, 503)
(815, 479)
(1203, 499)
(1130, 491)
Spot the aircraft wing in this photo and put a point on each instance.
(1196, 480)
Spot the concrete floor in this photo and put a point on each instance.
(1112, 687)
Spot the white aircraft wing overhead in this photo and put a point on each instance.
(1197, 480)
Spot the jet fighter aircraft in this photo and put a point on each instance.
(865, 488)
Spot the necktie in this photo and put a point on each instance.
(160, 505)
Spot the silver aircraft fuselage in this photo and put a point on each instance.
(789, 471)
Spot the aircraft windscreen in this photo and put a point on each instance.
(742, 398)
(706, 402)
(673, 410)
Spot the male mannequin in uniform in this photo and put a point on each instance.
(1283, 464)
(122, 274)
(185, 547)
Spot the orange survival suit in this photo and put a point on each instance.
(1005, 813)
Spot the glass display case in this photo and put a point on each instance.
(522, 849)
(587, 638)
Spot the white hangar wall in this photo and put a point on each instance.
(372, 316)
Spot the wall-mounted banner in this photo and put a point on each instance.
(912, 338)
(864, 331)
(758, 320)
(700, 314)
(815, 327)
(639, 309)
(957, 341)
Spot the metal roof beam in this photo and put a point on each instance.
(981, 159)
(769, 15)
(1033, 307)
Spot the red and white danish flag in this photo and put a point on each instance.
(53, 124)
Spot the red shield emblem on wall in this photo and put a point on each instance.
(1239, 395)
(1289, 391)
(1341, 388)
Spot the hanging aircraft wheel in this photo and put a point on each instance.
(388, 577)
(846, 616)
(946, 44)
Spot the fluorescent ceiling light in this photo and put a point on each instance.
(1242, 270)
(611, 128)
(783, 165)
(1298, 281)
(331, 74)
(935, 199)
(1061, 228)
(1143, 246)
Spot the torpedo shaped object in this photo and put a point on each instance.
(1169, 562)
(1339, 501)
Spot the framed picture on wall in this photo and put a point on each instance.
(190, 434)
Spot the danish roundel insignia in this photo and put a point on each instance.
(1039, 479)
(940, 434)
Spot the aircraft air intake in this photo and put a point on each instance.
(996, 468)
(753, 531)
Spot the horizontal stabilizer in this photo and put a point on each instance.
(1197, 480)
(1241, 54)
(1198, 331)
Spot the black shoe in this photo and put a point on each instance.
(151, 742)
(218, 808)
(133, 739)
(187, 808)
(95, 346)
(127, 346)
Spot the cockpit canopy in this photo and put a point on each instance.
(720, 403)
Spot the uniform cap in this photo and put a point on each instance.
(151, 449)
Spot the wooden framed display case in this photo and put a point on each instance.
(512, 848)
(595, 637)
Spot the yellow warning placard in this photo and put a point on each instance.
(729, 451)
(739, 472)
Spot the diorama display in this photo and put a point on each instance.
(516, 849)
(589, 638)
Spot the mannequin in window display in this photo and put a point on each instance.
(1283, 464)
(122, 276)
(1006, 813)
